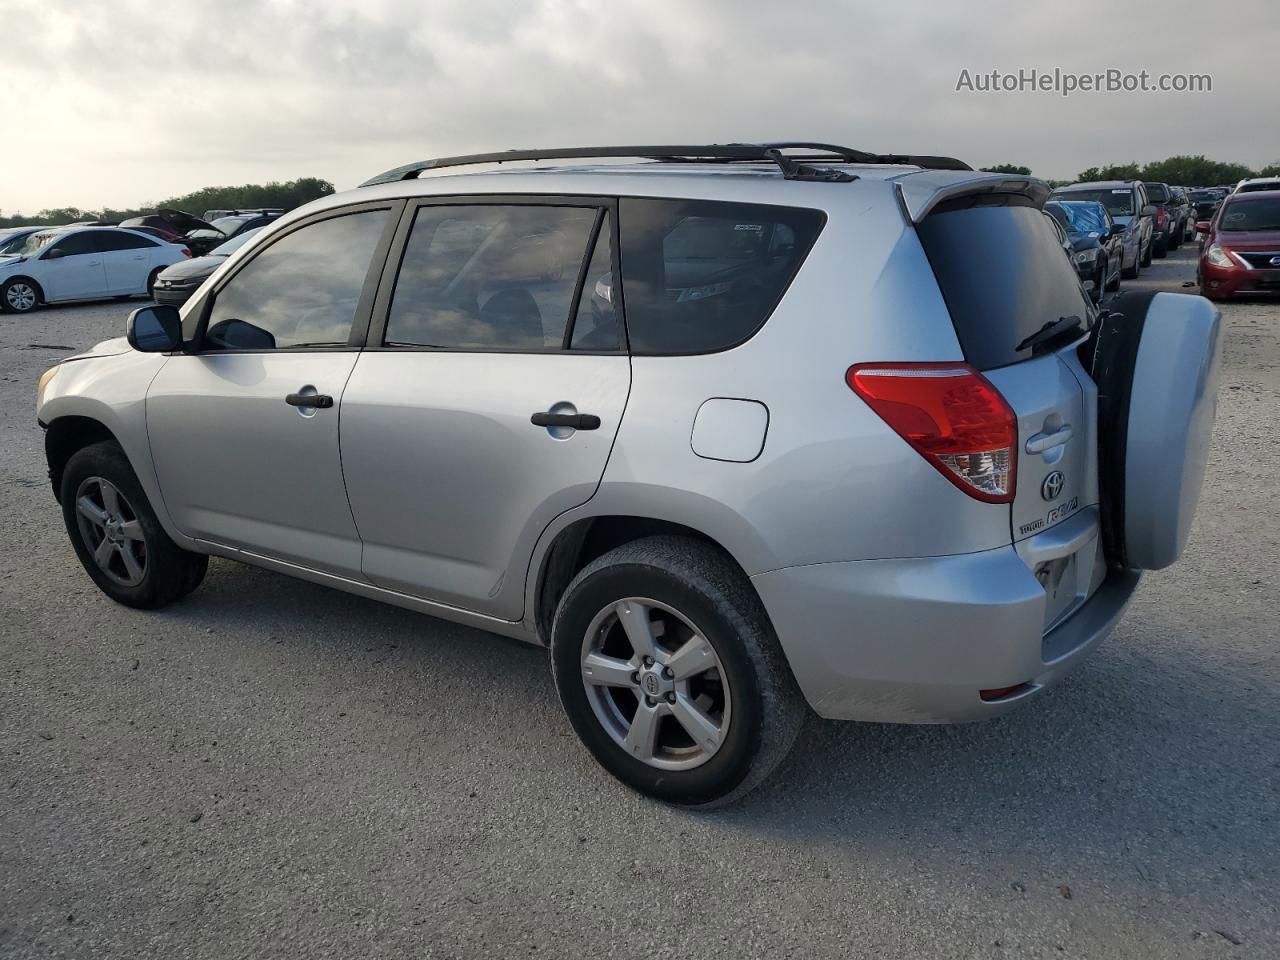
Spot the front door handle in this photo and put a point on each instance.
(321, 400)
(576, 421)
(1048, 440)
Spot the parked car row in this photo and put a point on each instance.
(85, 261)
(52, 264)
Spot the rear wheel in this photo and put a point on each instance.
(117, 536)
(151, 282)
(1146, 256)
(1161, 248)
(670, 672)
(19, 295)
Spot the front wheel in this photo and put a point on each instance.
(670, 672)
(117, 536)
(1146, 255)
(19, 295)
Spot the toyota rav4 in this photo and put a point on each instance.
(738, 432)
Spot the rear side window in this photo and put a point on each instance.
(504, 278)
(700, 276)
(1157, 192)
(1003, 274)
(109, 240)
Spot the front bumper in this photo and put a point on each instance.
(173, 296)
(915, 640)
(1237, 281)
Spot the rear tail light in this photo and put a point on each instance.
(953, 417)
(1160, 216)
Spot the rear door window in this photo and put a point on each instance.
(700, 276)
(505, 277)
(1003, 274)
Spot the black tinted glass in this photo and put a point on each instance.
(1003, 274)
(121, 240)
(489, 276)
(301, 290)
(1157, 192)
(700, 276)
(78, 243)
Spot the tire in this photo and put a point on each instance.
(20, 295)
(694, 591)
(1114, 285)
(151, 283)
(1146, 256)
(161, 572)
(1129, 273)
(1175, 238)
(1156, 361)
(1099, 282)
(1161, 248)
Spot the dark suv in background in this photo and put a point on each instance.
(1166, 232)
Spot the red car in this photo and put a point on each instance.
(1240, 255)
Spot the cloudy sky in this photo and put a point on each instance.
(122, 101)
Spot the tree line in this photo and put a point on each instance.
(1182, 171)
(290, 194)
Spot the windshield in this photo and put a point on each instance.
(227, 225)
(1118, 200)
(234, 244)
(1087, 216)
(26, 246)
(1253, 215)
(1203, 195)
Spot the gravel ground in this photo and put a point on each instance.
(272, 769)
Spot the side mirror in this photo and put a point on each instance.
(1202, 226)
(55, 254)
(1149, 210)
(155, 329)
(1117, 228)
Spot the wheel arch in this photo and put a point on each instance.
(581, 541)
(64, 436)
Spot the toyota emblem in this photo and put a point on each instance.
(1052, 485)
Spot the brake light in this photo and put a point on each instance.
(952, 416)
(1160, 216)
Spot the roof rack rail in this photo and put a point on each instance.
(792, 167)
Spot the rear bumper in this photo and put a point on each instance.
(915, 640)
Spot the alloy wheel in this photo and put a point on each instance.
(20, 296)
(656, 684)
(112, 532)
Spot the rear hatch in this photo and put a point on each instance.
(1008, 288)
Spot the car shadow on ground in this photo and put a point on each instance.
(1131, 770)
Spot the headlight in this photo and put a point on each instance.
(1217, 256)
(46, 378)
(1085, 256)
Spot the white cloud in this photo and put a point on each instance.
(120, 102)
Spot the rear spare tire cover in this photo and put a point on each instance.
(1156, 364)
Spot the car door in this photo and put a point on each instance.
(72, 268)
(126, 256)
(487, 401)
(244, 428)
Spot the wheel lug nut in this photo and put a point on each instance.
(635, 678)
(666, 672)
(648, 661)
(649, 701)
(671, 698)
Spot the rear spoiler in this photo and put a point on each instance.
(923, 191)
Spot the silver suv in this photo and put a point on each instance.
(739, 432)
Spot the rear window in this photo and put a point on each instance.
(1157, 192)
(700, 276)
(1003, 275)
(1118, 200)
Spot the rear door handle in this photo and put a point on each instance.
(1048, 440)
(578, 421)
(321, 400)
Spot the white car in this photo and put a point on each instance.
(82, 263)
(1253, 184)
